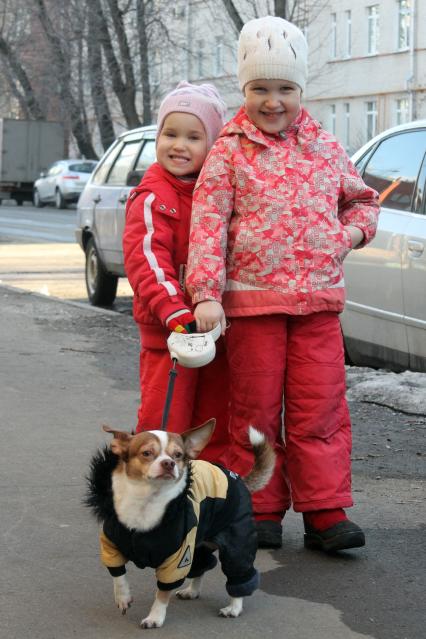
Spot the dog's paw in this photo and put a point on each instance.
(122, 595)
(234, 609)
(192, 591)
(187, 593)
(151, 622)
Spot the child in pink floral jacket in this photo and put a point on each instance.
(277, 207)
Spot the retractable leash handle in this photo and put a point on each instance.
(190, 350)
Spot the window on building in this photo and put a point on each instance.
(218, 56)
(347, 108)
(373, 29)
(393, 168)
(332, 127)
(371, 124)
(348, 43)
(333, 36)
(402, 111)
(200, 58)
(404, 20)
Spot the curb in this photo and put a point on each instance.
(80, 305)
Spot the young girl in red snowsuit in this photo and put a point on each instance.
(155, 246)
(277, 207)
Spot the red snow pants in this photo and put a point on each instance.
(199, 394)
(288, 380)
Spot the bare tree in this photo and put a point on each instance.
(233, 13)
(96, 77)
(19, 82)
(78, 119)
(141, 18)
(124, 89)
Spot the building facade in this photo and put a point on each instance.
(367, 67)
(367, 59)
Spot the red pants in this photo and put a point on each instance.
(299, 359)
(199, 394)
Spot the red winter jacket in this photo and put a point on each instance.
(155, 244)
(269, 220)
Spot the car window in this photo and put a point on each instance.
(394, 166)
(54, 170)
(147, 156)
(419, 195)
(106, 163)
(82, 167)
(123, 163)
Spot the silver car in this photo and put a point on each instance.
(62, 183)
(101, 210)
(384, 323)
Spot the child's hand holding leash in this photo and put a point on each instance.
(208, 314)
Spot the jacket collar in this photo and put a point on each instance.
(157, 175)
(304, 128)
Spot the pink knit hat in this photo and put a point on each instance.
(201, 100)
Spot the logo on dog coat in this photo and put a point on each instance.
(186, 559)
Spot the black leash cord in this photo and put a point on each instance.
(172, 378)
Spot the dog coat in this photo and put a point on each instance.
(214, 508)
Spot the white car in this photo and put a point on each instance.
(63, 182)
(384, 323)
(101, 207)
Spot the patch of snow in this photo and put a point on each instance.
(405, 392)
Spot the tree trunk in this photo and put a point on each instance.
(14, 69)
(143, 50)
(78, 123)
(234, 15)
(125, 92)
(96, 77)
(280, 8)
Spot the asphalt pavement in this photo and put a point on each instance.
(65, 370)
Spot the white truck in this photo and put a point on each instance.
(27, 147)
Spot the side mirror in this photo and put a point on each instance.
(134, 177)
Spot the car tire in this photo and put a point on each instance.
(101, 286)
(59, 200)
(37, 201)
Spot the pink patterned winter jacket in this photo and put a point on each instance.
(269, 217)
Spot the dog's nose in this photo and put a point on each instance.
(168, 464)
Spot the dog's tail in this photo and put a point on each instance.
(264, 461)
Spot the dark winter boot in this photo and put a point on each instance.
(343, 535)
(269, 534)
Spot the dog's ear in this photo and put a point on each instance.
(120, 443)
(197, 438)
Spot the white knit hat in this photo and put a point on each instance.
(271, 48)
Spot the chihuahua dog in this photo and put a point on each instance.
(161, 507)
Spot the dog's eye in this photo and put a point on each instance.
(178, 455)
(147, 453)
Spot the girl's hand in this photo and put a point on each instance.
(356, 235)
(208, 314)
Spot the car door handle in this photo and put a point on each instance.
(123, 199)
(97, 199)
(416, 247)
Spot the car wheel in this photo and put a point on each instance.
(59, 200)
(37, 201)
(101, 286)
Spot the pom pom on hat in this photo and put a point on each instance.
(272, 48)
(201, 100)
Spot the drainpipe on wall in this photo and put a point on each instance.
(411, 78)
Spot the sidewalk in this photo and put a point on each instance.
(67, 369)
